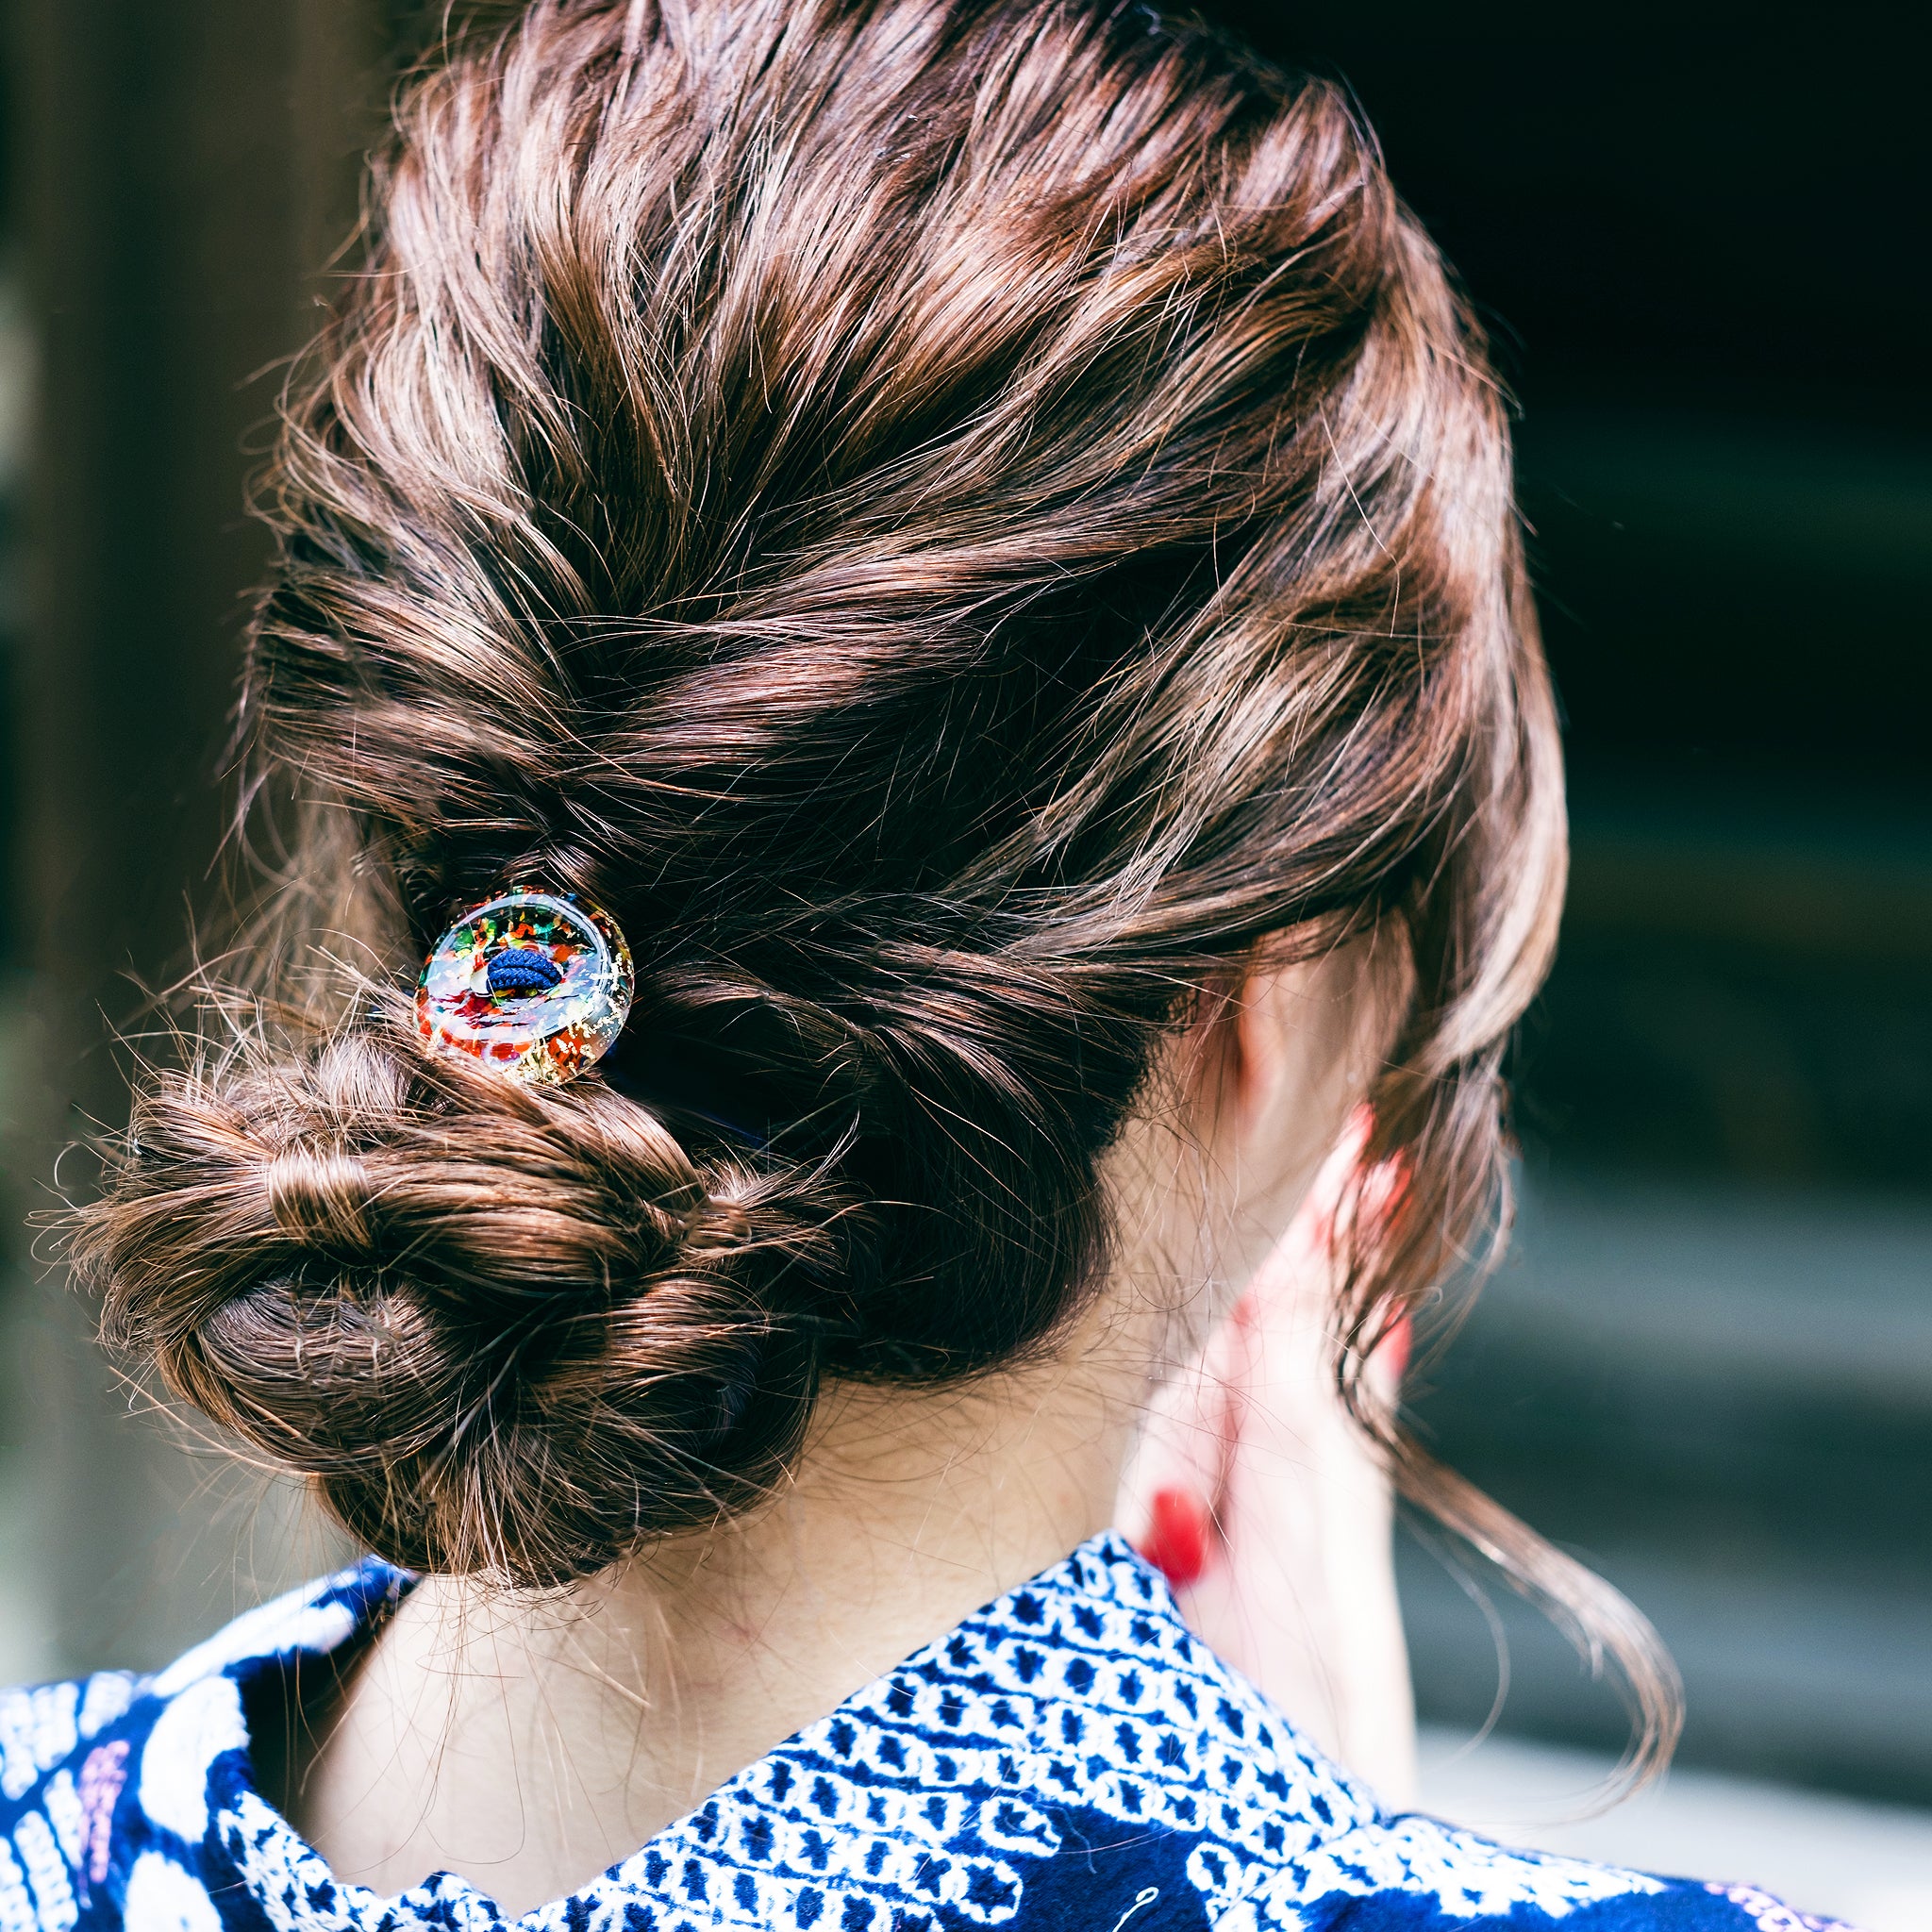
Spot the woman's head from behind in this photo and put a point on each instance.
(964, 525)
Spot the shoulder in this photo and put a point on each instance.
(1070, 1759)
(104, 1780)
(52, 1757)
(1415, 1874)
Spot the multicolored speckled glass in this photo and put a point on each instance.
(536, 984)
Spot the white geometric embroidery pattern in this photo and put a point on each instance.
(37, 1731)
(1772, 1915)
(927, 1790)
(47, 1871)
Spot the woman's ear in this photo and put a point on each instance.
(1252, 1097)
(1293, 1057)
(1290, 1052)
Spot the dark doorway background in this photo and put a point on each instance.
(1700, 243)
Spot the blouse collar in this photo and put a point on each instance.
(1076, 1706)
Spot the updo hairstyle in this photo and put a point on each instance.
(954, 521)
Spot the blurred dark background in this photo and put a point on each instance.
(1697, 236)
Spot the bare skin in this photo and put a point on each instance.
(526, 1743)
(1295, 1583)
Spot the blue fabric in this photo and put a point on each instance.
(522, 969)
(1068, 1759)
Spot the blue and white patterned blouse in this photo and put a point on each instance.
(1070, 1758)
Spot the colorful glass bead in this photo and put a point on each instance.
(536, 984)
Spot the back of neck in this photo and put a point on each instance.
(528, 1742)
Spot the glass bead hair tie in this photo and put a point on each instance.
(533, 984)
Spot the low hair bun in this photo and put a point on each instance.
(319, 1200)
(505, 1330)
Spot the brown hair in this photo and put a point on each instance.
(954, 520)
